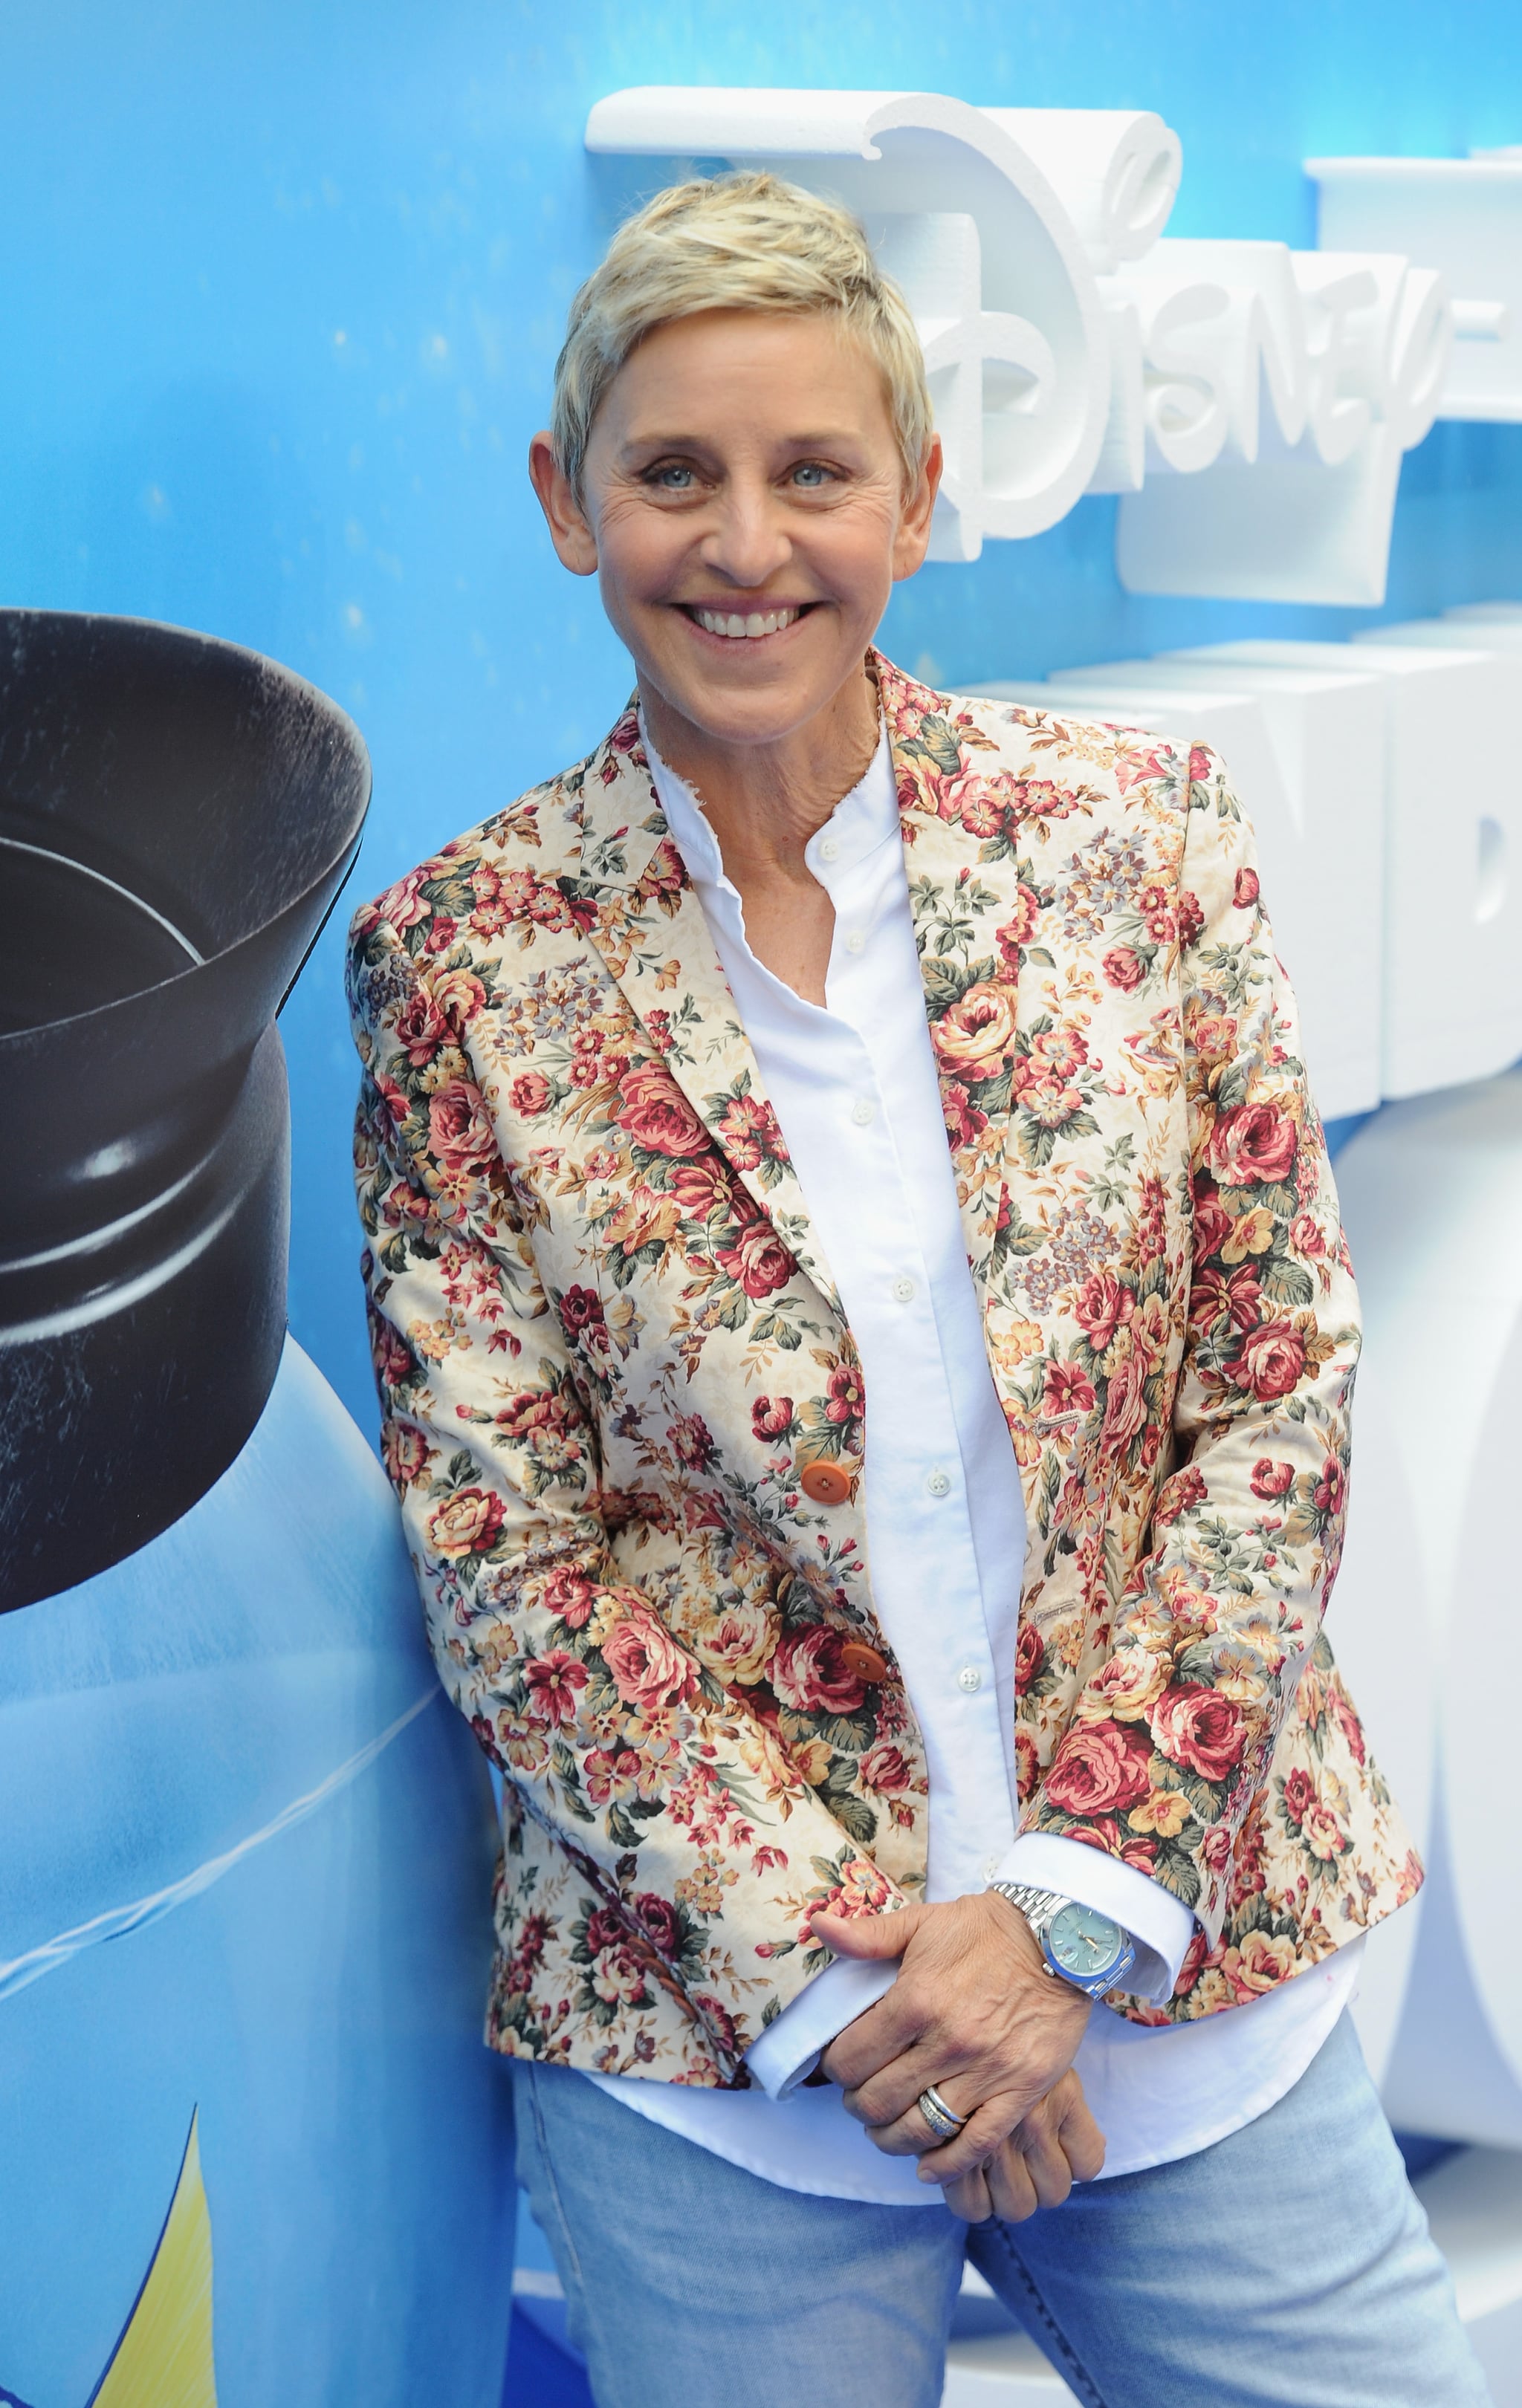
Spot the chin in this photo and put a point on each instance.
(751, 705)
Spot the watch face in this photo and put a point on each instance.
(1085, 1943)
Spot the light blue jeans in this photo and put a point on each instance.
(1288, 2266)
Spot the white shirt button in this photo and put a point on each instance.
(903, 1290)
(830, 849)
(969, 1679)
(856, 942)
(863, 1110)
(990, 1869)
(939, 1484)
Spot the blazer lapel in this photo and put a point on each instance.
(633, 896)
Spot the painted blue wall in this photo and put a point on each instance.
(283, 286)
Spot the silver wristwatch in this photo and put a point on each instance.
(1078, 1943)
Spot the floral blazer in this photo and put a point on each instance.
(625, 1414)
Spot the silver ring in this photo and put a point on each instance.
(943, 2124)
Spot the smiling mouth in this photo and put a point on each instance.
(746, 626)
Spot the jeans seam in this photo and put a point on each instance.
(1070, 2365)
(547, 2160)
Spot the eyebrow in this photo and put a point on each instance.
(815, 440)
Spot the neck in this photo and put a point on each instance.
(765, 801)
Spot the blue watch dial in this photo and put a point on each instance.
(1085, 1943)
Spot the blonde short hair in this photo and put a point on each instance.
(746, 240)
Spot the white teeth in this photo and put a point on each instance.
(759, 623)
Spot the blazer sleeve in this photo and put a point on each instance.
(673, 1799)
(1175, 1730)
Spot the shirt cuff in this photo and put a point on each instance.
(1161, 1926)
(794, 2042)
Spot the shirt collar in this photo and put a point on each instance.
(861, 821)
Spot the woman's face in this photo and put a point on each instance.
(745, 512)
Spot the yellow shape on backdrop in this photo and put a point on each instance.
(164, 2359)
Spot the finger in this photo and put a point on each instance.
(868, 1936)
(894, 2092)
(1011, 2189)
(1047, 2171)
(1082, 2142)
(985, 2128)
(873, 2040)
(971, 2198)
(908, 2132)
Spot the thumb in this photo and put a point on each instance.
(868, 1936)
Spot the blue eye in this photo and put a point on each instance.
(675, 477)
(811, 475)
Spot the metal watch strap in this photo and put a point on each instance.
(1039, 1906)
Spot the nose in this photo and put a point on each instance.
(748, 542)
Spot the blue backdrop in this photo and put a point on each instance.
(283, 287)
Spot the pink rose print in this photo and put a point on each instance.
(529, 1093)
(1125, 1405)
(1198, 1728)
(1255, 1143)
(885, 1770)
(661, 1922)
(1028, 1658)
(459, 1127)
(466, 1524)
(390, 1354)
(1269, 1479)
(1244, 890)
(421, 1028)
(649, 1669)
(975, 1038)
(1212, 1222)
(1124, 968)
(760, 1262)
(656, 1113)
(1307, 1237)
(581, 1317)
(571, 1597)
(1099, 1768)
(1271, 1360)
(809, 1675)
(772, 1417)
(1105, 1303)
(405, 1453)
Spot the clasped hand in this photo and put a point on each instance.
(974, 2012)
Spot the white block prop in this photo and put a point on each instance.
(1430, 1193)
(1452, 998)
(1305, 747)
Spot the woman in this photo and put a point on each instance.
(865, 1342)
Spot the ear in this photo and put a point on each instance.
(912, 538)
(570, 530)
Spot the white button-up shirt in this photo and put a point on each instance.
(853, 1085)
